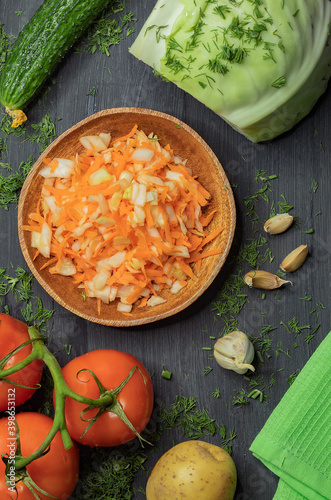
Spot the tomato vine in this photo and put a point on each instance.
(106, 402)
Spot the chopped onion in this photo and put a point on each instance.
(44, 246)
(124, 307)
(176, 287)
(65, 267)
(64, 169)
(141, 196)
(155, 301)
(100, 279)
(35, 239)
(116, 260)
(101, 175)
(105, 138)
(142, 154)
(93, 142)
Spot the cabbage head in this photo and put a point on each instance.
(259, 64)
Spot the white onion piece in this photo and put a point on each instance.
(155, 301)
(66, 267)
(124, 307)
(105, 138)
(63, 169)
(93, 142)
(35, 239)
(44, 246)
(142, 154)
(176, 287)
(116, 260)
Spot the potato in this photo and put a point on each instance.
(193, 470)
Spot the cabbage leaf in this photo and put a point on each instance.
(259, 64)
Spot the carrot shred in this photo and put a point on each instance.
(200, 256)
(36, 255)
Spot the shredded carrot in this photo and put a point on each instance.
(124, 222)
(210, 253)
(49, 263)
(36, 255)
(53, 165)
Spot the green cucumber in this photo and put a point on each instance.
(41, 44)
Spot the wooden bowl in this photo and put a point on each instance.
(186, 143)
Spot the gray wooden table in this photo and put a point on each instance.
(301, 161)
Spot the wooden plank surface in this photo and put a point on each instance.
(179, 343)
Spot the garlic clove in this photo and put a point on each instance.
(264, 280)
(295, 259)
(235, 352)
(278, 224)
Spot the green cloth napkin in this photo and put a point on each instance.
(295, 442)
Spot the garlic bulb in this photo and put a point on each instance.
(235, 352)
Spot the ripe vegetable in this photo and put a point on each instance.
(40, 46)
(193, 469)
(56, 472)
(135, 398)
(14, 333)
(261, 65)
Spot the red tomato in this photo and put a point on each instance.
(13, 333)
(136, 398)
(56, 472)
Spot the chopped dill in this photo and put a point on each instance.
(284, 206)
(280, 350)
(44, 132)
(315, 185)
(195, 424)
(221, 10)
(183, 414)
(217, 393)
(279, 83)
(19, 286)
(311, 334)
(240, 399)
(107, 31)
(109, 475)
(293, 377)
(6, 42)
(306, 297)
(67, 348)
(93, 92)
(11, 184)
